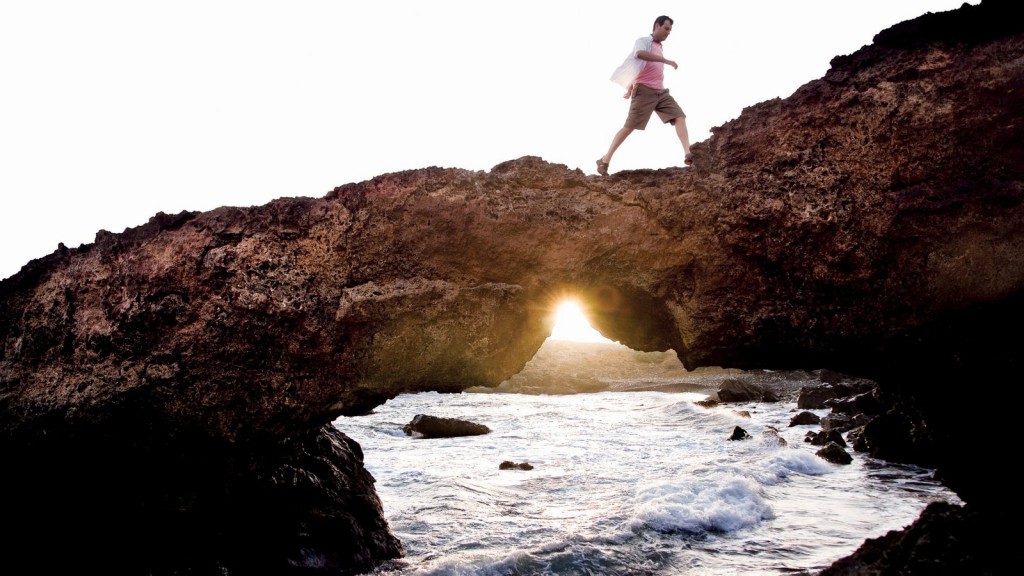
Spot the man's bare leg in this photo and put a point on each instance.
(617, 141)
(684, 137)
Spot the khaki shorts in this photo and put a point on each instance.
(647, 100)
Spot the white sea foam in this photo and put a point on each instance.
(623, 483)
(721, 503)
(803, 462)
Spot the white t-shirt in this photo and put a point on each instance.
(627, 72)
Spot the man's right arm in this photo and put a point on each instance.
(652, 57)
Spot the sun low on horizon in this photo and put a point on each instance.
(572, 325)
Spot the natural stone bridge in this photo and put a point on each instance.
(179, 379)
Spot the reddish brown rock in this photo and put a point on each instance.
(870, 223)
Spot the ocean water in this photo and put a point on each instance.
(635, 482)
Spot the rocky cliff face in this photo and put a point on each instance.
(176, 377)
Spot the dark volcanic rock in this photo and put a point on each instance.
(814, 397)
(945, 540)
(804, 418)
(837, 422)
(736, 390)
(739, 434)
(835, 454)
(509, 465)
(900, 436)
(824, 438)
(864, 403)
(872, 222)
(305, 505)
(426, 426)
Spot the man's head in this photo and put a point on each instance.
(662, 27)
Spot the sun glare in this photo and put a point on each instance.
(571, 324)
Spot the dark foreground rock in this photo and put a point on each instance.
(304, 505)
(946, 539)
(871, 223)
(425, 426)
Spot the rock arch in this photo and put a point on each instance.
(871, 223)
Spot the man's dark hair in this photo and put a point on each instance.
(660, 21)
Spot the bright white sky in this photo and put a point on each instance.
(112, 111)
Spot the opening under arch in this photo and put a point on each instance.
(572, 325)
(576, 358)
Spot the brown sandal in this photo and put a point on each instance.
(688, 159)
(602, 167)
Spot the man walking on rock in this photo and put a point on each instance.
(642, 75)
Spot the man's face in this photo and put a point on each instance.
(662, 31)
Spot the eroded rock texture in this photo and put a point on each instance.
(173, 377)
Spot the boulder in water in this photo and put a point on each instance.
(736, 390)
(835, 454)
(805, 417)
(424, 426)
(509, 465)
(739, 434)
